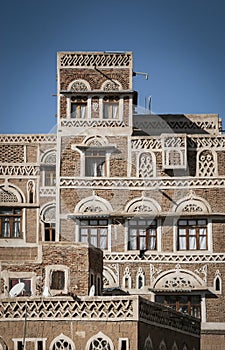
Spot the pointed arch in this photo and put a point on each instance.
(127, 278)
(62, 342)
(174, 347)
(162, 345)
(99, 341)
(217, 283)
(148, 343)
(140, 278)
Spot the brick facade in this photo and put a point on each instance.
(143, 192)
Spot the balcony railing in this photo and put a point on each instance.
(116, 308)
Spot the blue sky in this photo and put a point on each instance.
(180, 43)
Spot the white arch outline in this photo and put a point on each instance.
(45, 208)
(192, 199)
(175, 272)
(85, 82)
(99, 335)
(46, 154)
(62, 336)
(152, 203)
(14, 190)
(110, 276)
(103, 203)
(162, 345)
(102, 140)
(115, 82)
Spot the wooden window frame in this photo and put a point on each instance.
(58, 280)
(90, 227)
(197, 235)
(76, 107)
(145, 230)
(10, 219)
(97, 158)
(49, 232)
(109, 103)
(50, 175)
(190, 308)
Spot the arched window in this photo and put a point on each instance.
(140, 279)
(162, 345)
(30, 191)
(62, 342)
(148, 343)
(49, 169)
(127, 278)
(99, 342)
(49, 218)
(218, 282)
(94, 228)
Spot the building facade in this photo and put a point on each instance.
(146, 189)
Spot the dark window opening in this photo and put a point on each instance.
(99, 285)
(190, 305)
(57, 280)
(140, 282)
(217, 284)
(40, 345)
(19, 345)
(126, 282)
(49, 232)
(123, 344)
